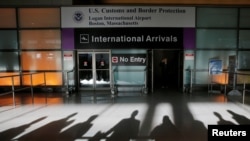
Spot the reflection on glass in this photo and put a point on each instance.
(102, 70)
(34, 79)
(86, 75)
(85, 61)
(86, 78)
(7, 81)
(129, 77)
(102, 84)
(51, 79)
(41, 60)
(40, 39)
(102, 61)
(94, 72)
(86, 81)
(85, 70)
(102, 75)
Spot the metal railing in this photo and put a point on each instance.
(114, 85)
(14, 88)
(218, 79)
(241, 81)
(188, 87)
(244, 92)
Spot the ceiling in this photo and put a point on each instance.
(165, 2)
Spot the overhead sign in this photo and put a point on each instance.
(117, 38)
(127, 16)
(129, 59)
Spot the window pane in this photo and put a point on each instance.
(245, 17)
(9, 16)
(241, 79)
(7, 81)
(52, 79)
(9, 61)
(201, 77)
(216, 39)
(202, 57)
(41, 60)
(129, 75)
(35, 79)
(244, 39)
(39, 17)
(8, 39)
(244, 59)
(217, 17)
(204, 78)
(40, 39)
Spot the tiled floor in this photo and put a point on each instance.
(90, 116)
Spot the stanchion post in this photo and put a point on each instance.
(67, 82)
(225, 86)
(31, 88)
(244, 90)
(13, 91)
(191, 81)
(45, 84)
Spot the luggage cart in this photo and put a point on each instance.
(114, 89)
(189, 85)
(70, 82)
(114, 85)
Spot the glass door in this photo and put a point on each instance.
(94, 70)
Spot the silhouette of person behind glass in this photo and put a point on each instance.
(125, 130)
(166, 131)
(101, 64)
(86, 65)
(164, 72)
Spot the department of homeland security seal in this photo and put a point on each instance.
(78, 16)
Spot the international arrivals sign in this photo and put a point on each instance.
(127, 16)
(134, 38)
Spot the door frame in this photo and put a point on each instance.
(178, 60)
(93, 52)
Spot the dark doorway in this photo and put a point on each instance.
(174, 69)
